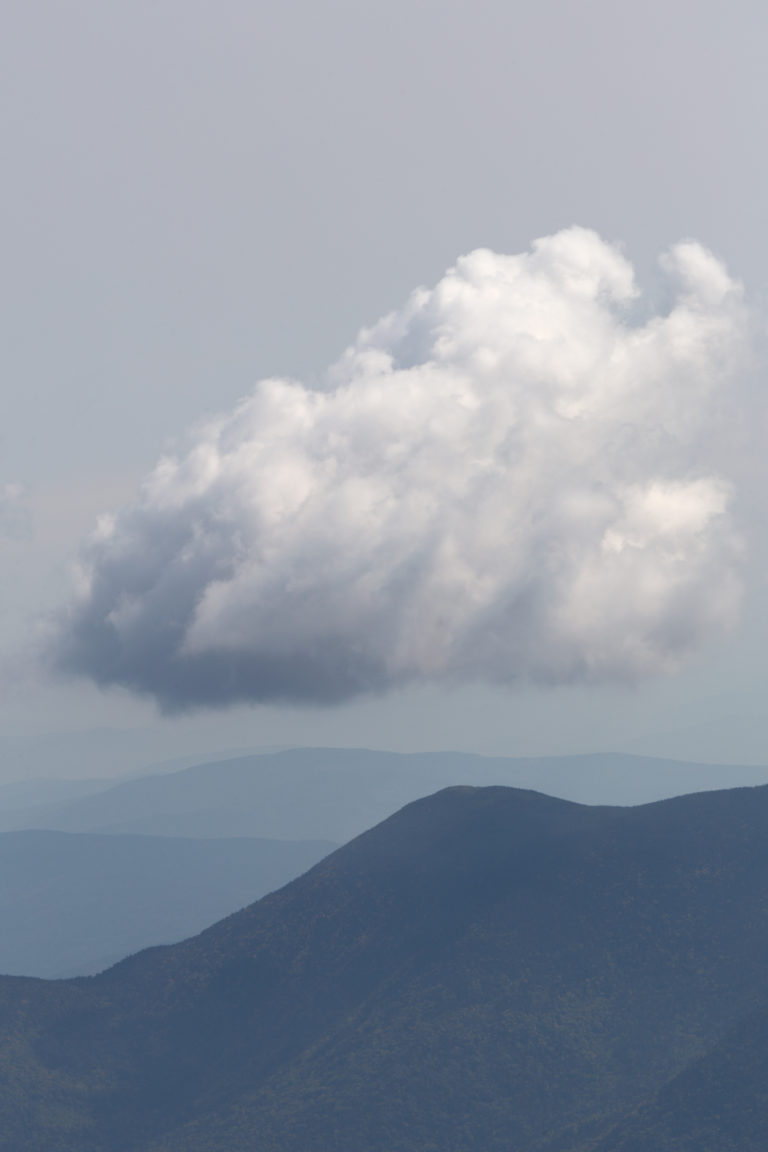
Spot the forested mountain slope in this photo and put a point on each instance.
(717, 1104)
(489, 969)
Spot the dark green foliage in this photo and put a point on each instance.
(717, 1104)
(487, 970)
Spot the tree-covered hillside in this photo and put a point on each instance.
(487, 970)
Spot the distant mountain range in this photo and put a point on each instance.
(336, 793)
(58, 916)
(488, 969)
(71, 904)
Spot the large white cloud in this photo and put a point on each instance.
(508, 479)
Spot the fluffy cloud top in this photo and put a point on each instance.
(507, 479)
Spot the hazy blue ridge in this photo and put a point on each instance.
(73, 903)
(20, 794)
(335, 794)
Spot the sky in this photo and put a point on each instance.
(200, 197)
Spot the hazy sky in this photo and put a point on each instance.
(197, 196)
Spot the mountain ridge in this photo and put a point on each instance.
(487, 966)
(334, 794)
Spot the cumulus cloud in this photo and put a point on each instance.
(509, 479)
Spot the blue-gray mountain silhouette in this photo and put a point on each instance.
(489, 969)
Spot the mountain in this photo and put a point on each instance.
(487, 969)
(94, 752)
(33, 792)
(19, 794)
(717, 1104)
(70, 904)
(336, 793)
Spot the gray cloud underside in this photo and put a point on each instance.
(506, 480)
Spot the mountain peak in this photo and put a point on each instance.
(486, 966)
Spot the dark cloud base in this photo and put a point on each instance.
(325, 675)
